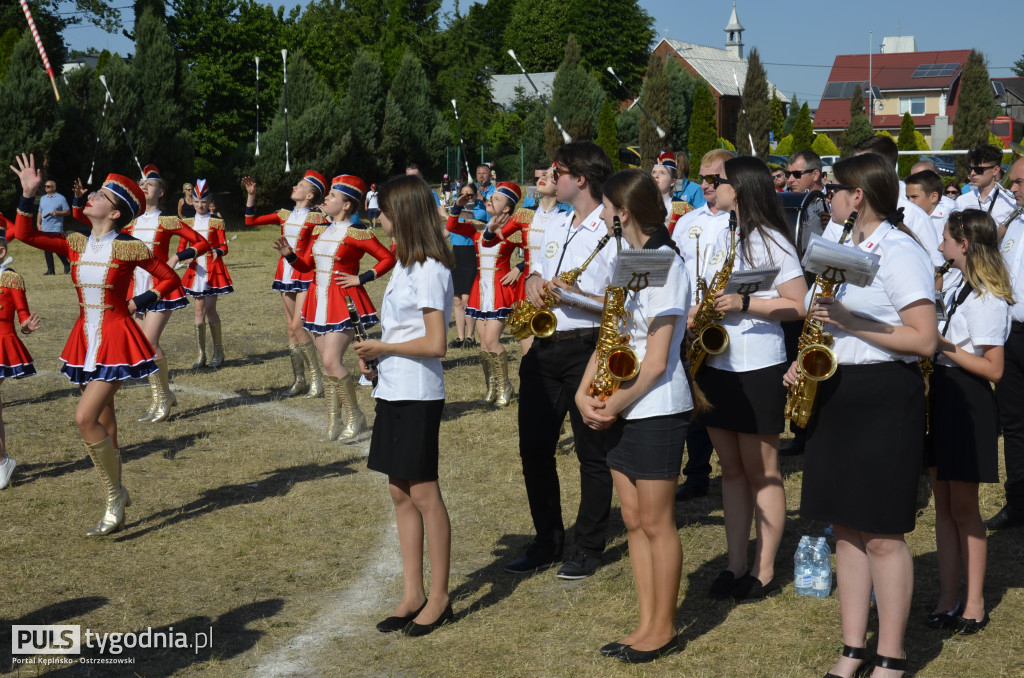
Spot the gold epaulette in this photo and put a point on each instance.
(320, 228)
(216, 223)
(681, 207)
(283, 215)
(316, 218)
(76, 241)
(524, 215)
(357, 233)
(516, 238)
(127, 248)
(170, 223)
(12, 280)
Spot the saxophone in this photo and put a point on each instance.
(816, 361)
(925, 364)
(616, 361)
(526, 319)
(710, 337)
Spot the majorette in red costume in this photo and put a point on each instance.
(338, 248)
(15, 361)
(676, 208)
(297, 228)
(207, 275)
(155, 230)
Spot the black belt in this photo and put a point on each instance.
(580, 334)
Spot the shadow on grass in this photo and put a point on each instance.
(241, 397)
(232, 361)
(275, 483)
(231, 636)
(168, 447)
(51, 614)
(49, 396)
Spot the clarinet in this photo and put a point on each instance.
(360, 330)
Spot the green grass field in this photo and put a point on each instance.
(246, 522)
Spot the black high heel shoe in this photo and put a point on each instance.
(392, 624)
(414, 630)
(851, 652)
(968, 627)
(891, 663)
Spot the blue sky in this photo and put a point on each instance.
(798, 40)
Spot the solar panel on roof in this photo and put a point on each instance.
(935, 70)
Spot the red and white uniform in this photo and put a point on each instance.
(155, 230)
(489, 299)
(207, 275)
(15, 361)
(105, 343)
(676, 209)
(337, 247)
(297, 228)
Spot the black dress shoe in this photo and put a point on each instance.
(945, 620)
(968, 627)
(612, 649)
(414, 630)
(631, 656)
(795, 446)
(1007, 517)
(691, 490)
(536, 559)
(724, 584)
(392, 624)
(749, 589)
(48, 273)
(456, 343)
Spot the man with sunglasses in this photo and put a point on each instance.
(986, 193)
(53, 207)
(803, 176)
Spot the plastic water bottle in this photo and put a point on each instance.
(821, 565)
(802, 571)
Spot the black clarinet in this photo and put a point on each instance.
(360, 330)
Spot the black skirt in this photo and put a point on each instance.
(745, 402)
(964, 443)
(863, 453)
(465, 269)
(650, 448)
(404, 442)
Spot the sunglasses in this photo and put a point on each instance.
(796, 174)
(559, 171)
(714, 180)
(830, 189)
(953, 192)
(980, 169)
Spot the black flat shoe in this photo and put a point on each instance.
(392, 624)
(947, 619)
(631, 656)
(749, 589)
(414, 630)
(851, 652)
(612, 649)
(724, 585)
(968, 627)
(1007, 517)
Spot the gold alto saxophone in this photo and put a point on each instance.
(709, 336)
(925, 364)
(526, 319)
(815, 361)
(616, 361)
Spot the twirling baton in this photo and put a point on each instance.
(746, 123)
(565, 135)
(96, 148)
(656, 126)
(103, 79)
(39, 46)
(462, 143)
(257, 107)
(284, 58)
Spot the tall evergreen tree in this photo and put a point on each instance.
(758, 109)
(970, 128)
(681, 88)
(627, 124)
(655, 101)
(778, 120)
(703, 132)
(803, 130)
(859, 128)
(408, 118)
(794, 112)
(575, 98)
(906, 142)
(607, 135)
(362, 117)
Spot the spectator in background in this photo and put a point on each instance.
(53, 207)
(185, 208)
(779, 179)
(372, 208)
(947, 200)
(446, 188)
(484, 189)
(690, 191)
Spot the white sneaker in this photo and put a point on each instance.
(6, 469)
(363, 381)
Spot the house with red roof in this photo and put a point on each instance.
(925, 84)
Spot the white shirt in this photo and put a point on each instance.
(535, 233)
(93, 267)
(409, 292)
(705, 224)
(670, 394)
(754, 342)
(1004, 202)
(947, 202)
(1013, 255)
(371, 200)
(578, 244)
(145, 228)
(920, 224)
(905, 275)
(201, 225)
(982, 320)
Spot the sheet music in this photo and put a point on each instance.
(847, 264)
(580, 301)
(752, 280)
(649, 268)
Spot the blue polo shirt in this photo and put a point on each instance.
(52, 203)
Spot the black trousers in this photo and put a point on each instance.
(549, 375)
(698, 455)
(1010, 399)
(49, 262)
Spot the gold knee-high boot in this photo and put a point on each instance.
(355, 420)
(108, 463)
(505, 389)
(299, 381)
(332, 390)
(201, 342)
(489, 381)
(154, 396)
(217, 359)
(314, 375)
(164, 397)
